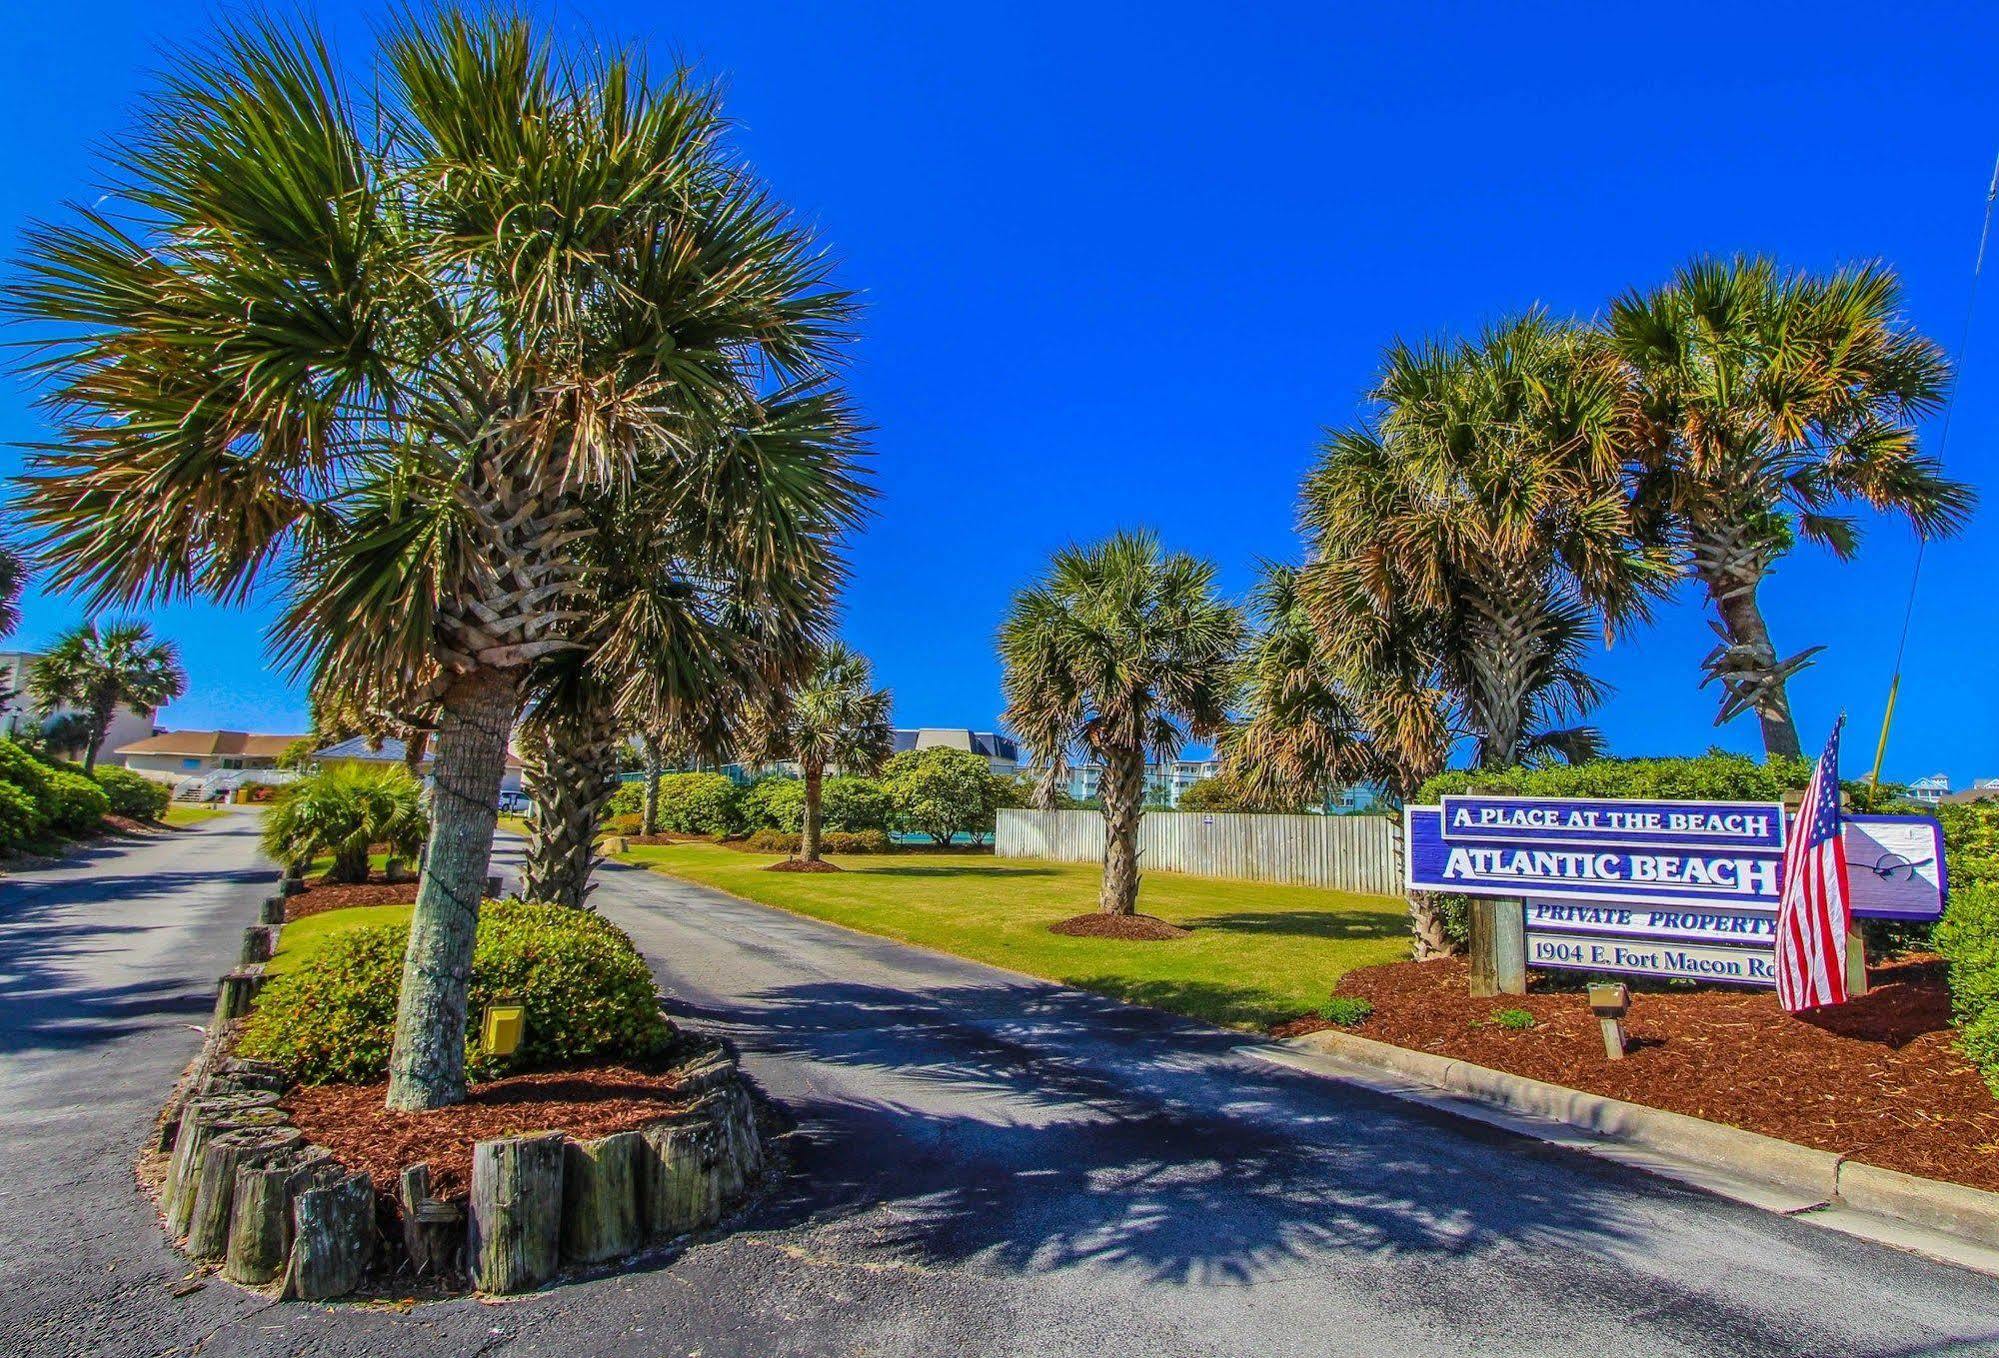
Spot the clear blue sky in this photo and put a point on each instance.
(1123, 262)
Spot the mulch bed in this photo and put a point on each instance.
(800, 865)
(1877, 1078)
(364, 1134)
(322, 896)
(1134, 928)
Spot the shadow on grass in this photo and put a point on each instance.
(1329, 924)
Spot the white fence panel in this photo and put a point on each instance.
(1351, 853)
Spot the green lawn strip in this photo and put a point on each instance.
(300, 937)
(182, 815)
(378, 863)
(1259, 953)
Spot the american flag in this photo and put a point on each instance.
(1813, 913)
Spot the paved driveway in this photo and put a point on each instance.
(985, 1165)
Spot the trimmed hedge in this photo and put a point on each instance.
(332, 1017)
(39, 799)
(133, 795)
(1968, 937)
(830, 841)
(76, 805)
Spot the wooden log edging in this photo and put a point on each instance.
(243, 1193)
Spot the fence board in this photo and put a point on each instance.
(1351, 853)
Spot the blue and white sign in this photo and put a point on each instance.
(1684, 825)
(1670, 923)
(1635, 957)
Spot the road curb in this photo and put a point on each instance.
(1966, 1213)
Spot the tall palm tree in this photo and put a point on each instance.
(13, 578)
(383, 342)
(93, 669)
(833, 717)
(710, 600)
(1764, 403)
(1465, 541)
(1124, 649)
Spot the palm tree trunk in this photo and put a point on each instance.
(350, 866)
(1501, 656)
(414, 750)
(808, 838)
(1731, 563)
(572, 770)
(1123, 792)
(100, 722)
(654, 757)
(1428, 936)
(427, 1065)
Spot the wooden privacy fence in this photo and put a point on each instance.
(1352, 853)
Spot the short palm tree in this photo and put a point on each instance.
(1476, 531)
(832, 718)
(93, 669)
(386, 344)
(345, 812)
(1124, 650)
(1764, 403)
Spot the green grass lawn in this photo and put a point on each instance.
(300, 937)
(378, 864)
(184, 814)
(1259, 953)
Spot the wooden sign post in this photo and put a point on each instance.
(1498, 946)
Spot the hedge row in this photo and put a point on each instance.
(42, 801)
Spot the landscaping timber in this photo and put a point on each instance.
(201, 1119)
(433, 1231)
(683, 1175)
(514, 1218)
(333, 1236)
(260, 1221)
(215, 1187)
(600, 1197)
(258, 940)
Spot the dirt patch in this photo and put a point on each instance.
(1133, 928)
(324, 896)
(800, 865)
(363, 1134)
(125, 825)
(1878, 1078)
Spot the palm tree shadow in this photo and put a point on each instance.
(1327, 924)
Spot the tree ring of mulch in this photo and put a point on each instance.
(1131, 928)
(1878, 1078)
(800, 865)
(364, 1134)
(323, 896)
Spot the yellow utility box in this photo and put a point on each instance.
(500, 1033)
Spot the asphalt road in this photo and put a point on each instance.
(983, 1165)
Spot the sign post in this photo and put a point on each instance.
(1498, 946)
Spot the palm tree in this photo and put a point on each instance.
(13, 578)
(833, 717)
(710, 600)
(1466, 541)
(385, 343)
(345, 812)
(1763, 404)
(92, 670)
(1125, 650)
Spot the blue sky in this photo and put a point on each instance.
(1122, 263)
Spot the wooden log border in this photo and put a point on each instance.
(244, 1194)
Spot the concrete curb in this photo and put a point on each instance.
(1966, 1213)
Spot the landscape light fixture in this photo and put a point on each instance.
(501, 1027)
(1610, 1001)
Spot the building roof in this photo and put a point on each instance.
(987, 743)
(387, 750)
(214, 744)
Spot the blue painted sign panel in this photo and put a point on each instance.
(1683, 825)
(1670, 923)
(1637, 957)
(1895, 863)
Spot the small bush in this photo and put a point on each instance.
(832, 841)
(774, 803)
(1348, 1011)
(21, 819)
(1513, 1020)
(853, 804)
(132, 795)
(76, 804)
(344, 811)
(699, 804)
(589, 997)
(629, 823)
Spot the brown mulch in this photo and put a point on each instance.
(125, 825)
(364, 1134)
(800, 865)
(1877, 1078)
(322, 896)
(1134, 928)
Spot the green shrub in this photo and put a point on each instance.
(76, 805)
(1513, 1020)
(131, 795)
(627, 799)
(332, 1017)
(343, 811)
(628, 824)
(774, 803)
(1971, 842)
(939, 792)
(1968, 938)
(1714, 776)
(852, 804)
(699, 804)
(1347, 1011)
(831, 841)
(21, 819)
